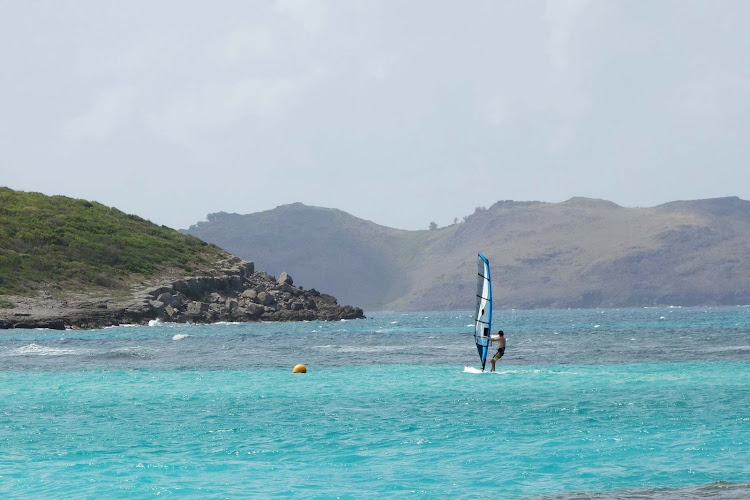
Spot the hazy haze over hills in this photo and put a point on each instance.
(579, 253)
(320, 245)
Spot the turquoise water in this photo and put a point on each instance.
(649, 402)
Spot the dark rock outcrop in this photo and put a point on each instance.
(244, 296)
(239, 294)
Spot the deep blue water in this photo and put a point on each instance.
(611, 403)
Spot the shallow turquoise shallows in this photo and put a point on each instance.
(653, 402)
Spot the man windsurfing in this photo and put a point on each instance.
(500, 339)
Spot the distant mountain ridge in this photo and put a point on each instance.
(579, 253)
(323, 245)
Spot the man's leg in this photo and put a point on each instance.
(493, 364)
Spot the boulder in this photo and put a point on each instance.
(254, 309)
(216, 309)
(167, 298)
(160, 290)
(234, 283)
(179, 300)
(194, 288)
(157, 306)
(215, 298)
(272, 315)
(180, 286)
(249, 294)
(265, 298)
(170, 311)
(285, 278)
(197, 308)
(246, 302)
(247, 268)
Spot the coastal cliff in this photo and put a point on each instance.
(67, 263)
(237, 294)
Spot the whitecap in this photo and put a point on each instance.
(40, 350)
(471, 369)
(180, 336)
(155, 322)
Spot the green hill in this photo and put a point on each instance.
(59, 243)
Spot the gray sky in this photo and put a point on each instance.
(401, 112)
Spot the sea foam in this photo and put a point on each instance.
(41, 350)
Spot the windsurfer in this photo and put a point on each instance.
(500, 339)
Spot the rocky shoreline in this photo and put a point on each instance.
(237, 294)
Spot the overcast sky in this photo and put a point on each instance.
(400, 112)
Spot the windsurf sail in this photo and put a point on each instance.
(483, 313)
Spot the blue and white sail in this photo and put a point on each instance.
(483, 313)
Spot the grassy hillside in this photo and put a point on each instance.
(579, 253)
(76, 244)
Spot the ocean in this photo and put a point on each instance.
(646, 403)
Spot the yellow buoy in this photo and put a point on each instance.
(299, 369)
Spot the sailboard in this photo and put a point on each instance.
(483, 313)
